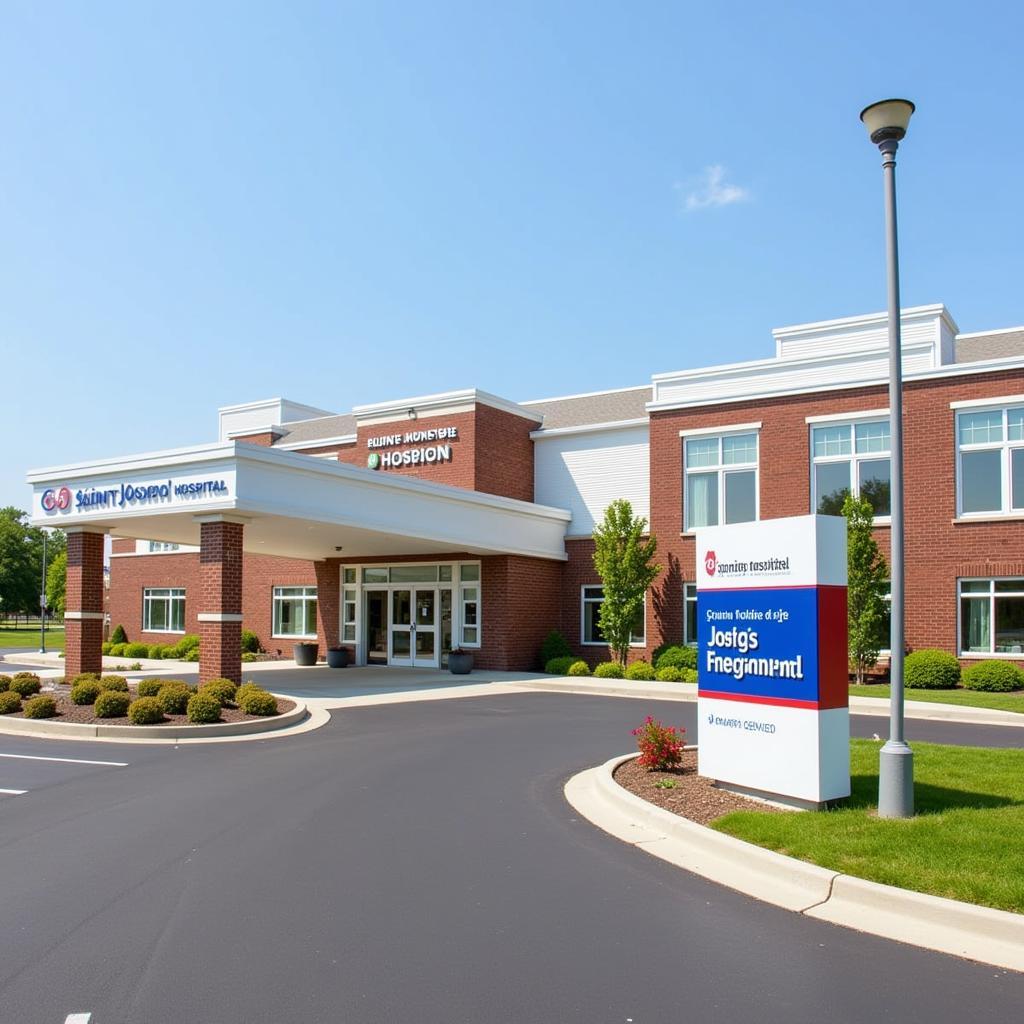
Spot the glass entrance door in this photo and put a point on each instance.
(376, 627)
(414, 628)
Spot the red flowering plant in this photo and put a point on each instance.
(661, 746)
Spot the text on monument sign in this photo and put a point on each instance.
(425, 454)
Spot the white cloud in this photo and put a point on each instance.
(711, 189)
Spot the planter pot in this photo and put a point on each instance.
(460, 664)
(337, 657)
(305, 654)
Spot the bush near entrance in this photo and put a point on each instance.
(149, 687)
(25, 684)
(675, 656)
(560, 666)
(661, 746)
(86, 692)
(40, 707)
(993, 677)
(555, 646)
(579, 668)
(10, 702)
(112, 704)
(223, 689)
(255, 701)
(5, 683)
(203, 708)
(609, 670)
(640, 670)
(114, 683)
(173, 696)
(145, 711)
(118, 636)
(931, 670)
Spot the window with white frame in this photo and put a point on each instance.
(991, 461)
(159, 545)
(992, 616)
(721, 479)
(850, 458)
(591, 599)
(690, 614)
(163, 610)
(349, 606)
(469, 599)
(295, 611)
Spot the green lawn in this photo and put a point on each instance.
(30, 638)
(971, 698)
(965, 842)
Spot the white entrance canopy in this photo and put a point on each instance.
(292, 505)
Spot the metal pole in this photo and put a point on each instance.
(42, 603)
(896, 762)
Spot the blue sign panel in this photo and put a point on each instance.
(759, 644)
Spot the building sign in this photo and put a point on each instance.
(772, 657)
(424, 455)
(123, 495)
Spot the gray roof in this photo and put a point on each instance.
(318, 429)
(998, 345)
(581, 411)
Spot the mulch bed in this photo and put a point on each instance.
(84, 713)
(693, 796)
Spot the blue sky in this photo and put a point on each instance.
(204, 204)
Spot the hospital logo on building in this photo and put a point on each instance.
(709, 563)
(58, 500)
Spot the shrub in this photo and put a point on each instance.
(5, 683)
(661, 746)
(669, 674)
(609, 670)
(555, 646)
(246, 688)
(559, 666)
(578, 668)
(690, 675)
(155, 651)
(189, 642)
(203, 707)
(639, 670)
(10, 702)
(223, 689)
(675, 656)
(248, 656)
(145, 711)
(150, 687)
(931, 670)
(117, 650)
(105, 647)
(114, 683)
(136, 650)
(40, 707)
(25, 684)
(173, 696)
(86, 691)
(118, 636)
(250, 642)
(86, 677)
(112, 704)
(994, 677)
(192, 655)
(258, 702)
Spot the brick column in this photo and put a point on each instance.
(220, 599)
(328, 603)
(83, 619)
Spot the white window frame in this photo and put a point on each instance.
(1005, 447)
(161, 546)
(168, 595)
(584, 601)
(304, 599)
(722, 470)
(689, 641)
(990, 597)
(854, 458)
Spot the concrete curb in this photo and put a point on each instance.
(949, 926)
(50, 729)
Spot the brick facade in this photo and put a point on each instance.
(83, 619)
(220, 593)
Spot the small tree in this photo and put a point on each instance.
(625, 563)
(56, 583)
(866, 577)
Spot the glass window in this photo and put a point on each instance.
(470, 598)
(375, 575)
(444, 573)
(159, 545)
(414, 574)
(294, 611)
(350, 575)
(992, 616)
(991, 453)
(690, 614)
(721, 480)
(845, 460)
(469, 572)
(591, 600)
(349, 604)
(163, 610)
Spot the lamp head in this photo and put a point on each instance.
(887, 119)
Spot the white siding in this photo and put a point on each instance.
(586, 472)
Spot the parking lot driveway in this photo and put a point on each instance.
(29, 765)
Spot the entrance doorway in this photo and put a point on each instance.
(414, 627)
(376, 627)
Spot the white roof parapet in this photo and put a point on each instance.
(445, 402)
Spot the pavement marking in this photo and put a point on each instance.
(66, 760)
(77, 1018)
(14, 792)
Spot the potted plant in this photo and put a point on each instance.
(460, 663)
(305, 654)
(337, 657)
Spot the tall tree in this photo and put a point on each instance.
(867, 574)
(625, 562)
(21, 561)
(57, 582)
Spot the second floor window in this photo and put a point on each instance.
(721, 479)
(850, 458)
(991, 453)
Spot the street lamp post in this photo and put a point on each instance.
(42, 603)
(886, 123)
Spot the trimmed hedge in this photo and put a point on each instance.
(931, 670)
(86, 692)
(114, 683)
(640, 671)
(117, 650)
(86, 677)
(258, 702)
(203, 708)
(250, 642)
(5, 683)
(10, 702)
(189, 642)
(555, 646)
(675, 656)
(105, 647)
(40, 707)
(136, 651)
(578, 668)
(112, 704)
(150, 687)
(560, 666)
(993, 677)
(145, 711)
(248, 656)
(223, 689)
(609, 670)
(192, 655)
(118, 636)
(174, 696)
(25, 684)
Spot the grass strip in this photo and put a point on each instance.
(967, 698)
(965, 843)
(30, 638)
